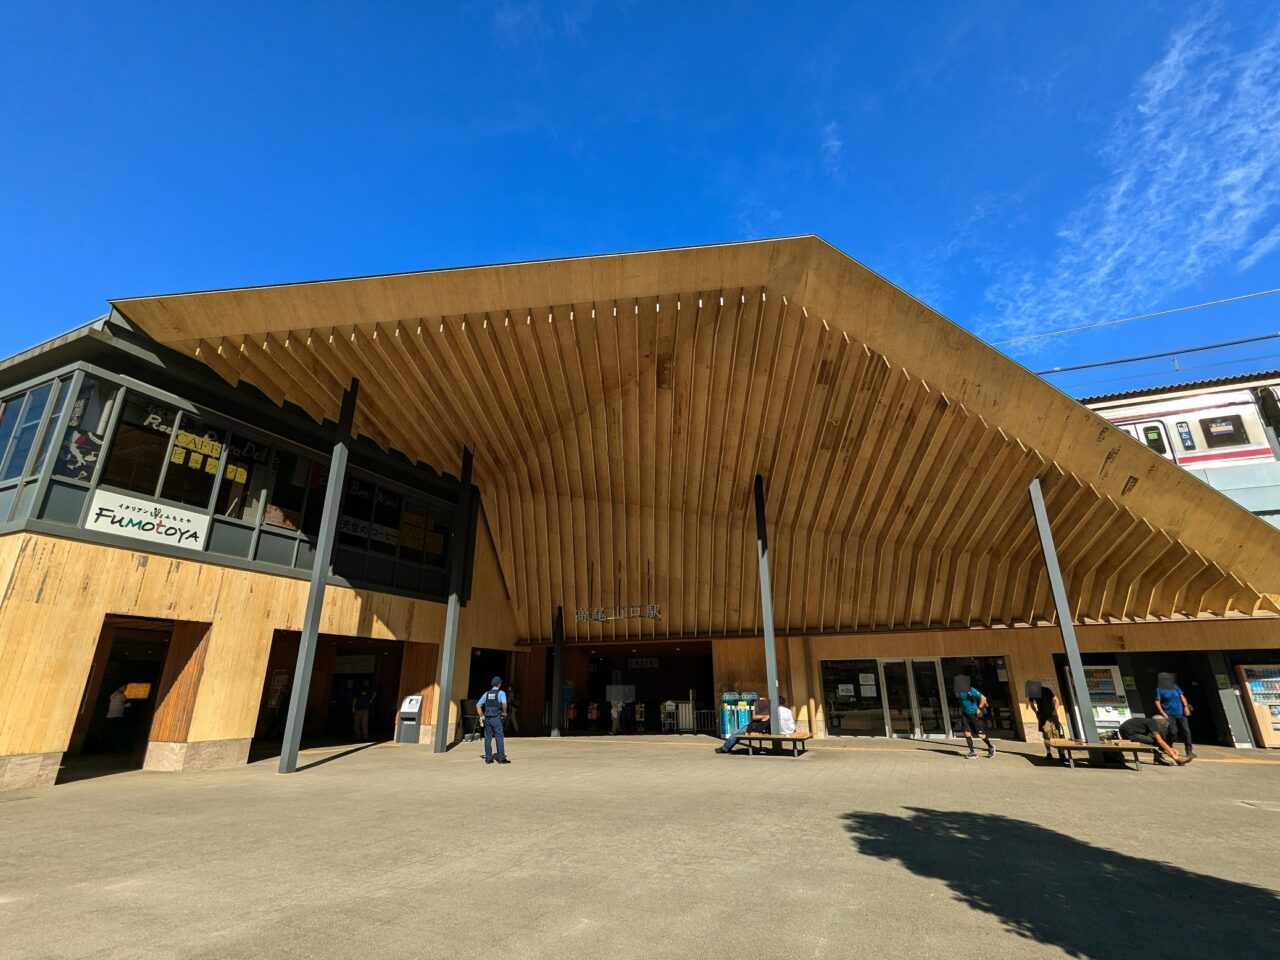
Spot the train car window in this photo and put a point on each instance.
(1224, 431)
(1152, 438)
(1184, 434)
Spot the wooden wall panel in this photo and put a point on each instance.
(58, 592)
(179, 682)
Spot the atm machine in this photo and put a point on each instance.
(409, 720)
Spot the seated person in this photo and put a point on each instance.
(1153, 731)
(759, 723)
(786, 719)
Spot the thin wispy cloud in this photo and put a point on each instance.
(755, 219)
(832, 152)
(1193, 187)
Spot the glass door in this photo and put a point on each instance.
(895, 682)
(930, 704)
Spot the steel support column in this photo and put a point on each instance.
(457, 575)
(557, 671)
(319, 577)
(766, 609)
(1065, 624)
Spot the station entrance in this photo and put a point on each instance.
(622, 687)
(132, 695)
(354, 692)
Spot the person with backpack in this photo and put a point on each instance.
(492, 710)
(973, 707)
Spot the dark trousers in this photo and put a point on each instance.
(493, 731)
(1180, 728)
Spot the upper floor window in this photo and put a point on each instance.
(193, 463)
(20, 420)
(244, 480)
(141, 442)
(81, 447)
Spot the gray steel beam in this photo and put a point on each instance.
(320, 570)
(766, 609)
(1065, 623)
(557, 671)
(457, 575)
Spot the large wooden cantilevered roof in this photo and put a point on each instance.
(620, 406)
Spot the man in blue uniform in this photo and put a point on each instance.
(492, 709)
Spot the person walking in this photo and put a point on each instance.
(1171, 703)
(1045, 705)
(973, 706)
(492, 710)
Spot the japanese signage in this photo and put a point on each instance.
(143, 520)
(635, 611)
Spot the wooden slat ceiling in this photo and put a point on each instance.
(620, 411)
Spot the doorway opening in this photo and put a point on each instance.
(351, 676)
(623, 688)
(140, 688)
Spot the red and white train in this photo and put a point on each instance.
(1205, 424)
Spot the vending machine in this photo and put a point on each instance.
(1260, 685)
(1106, 696)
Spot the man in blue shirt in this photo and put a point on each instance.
(972, 707)
(1171, 703)
(492, 710)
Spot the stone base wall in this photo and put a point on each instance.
(196, 755)
(26, 770)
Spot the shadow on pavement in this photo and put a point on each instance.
(1089, 901)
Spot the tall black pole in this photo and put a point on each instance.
(319, 577)
(557, 670)
(457, 576)
(766, 609)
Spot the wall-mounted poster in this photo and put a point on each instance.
(140, 519)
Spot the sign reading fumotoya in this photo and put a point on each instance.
(144, 520)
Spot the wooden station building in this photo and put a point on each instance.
(193, 482)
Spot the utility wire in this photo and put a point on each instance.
(1157, 356)
(1140, 316)
(1165, 373)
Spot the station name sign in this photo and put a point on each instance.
(634, 611)
(143, 520)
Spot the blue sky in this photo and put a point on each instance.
(1021, 167)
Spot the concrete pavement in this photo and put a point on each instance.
(649, 847)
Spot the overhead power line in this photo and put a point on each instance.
(1140, 316)
(1157, 356)
(1164, 373)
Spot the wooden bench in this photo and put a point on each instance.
(1068, 748)
(777, 741)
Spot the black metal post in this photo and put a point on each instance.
(766, 609)
(557, 671)
(319, 577)
(1087, 722)
(457, 575)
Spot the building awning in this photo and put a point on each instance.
(620, 406)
